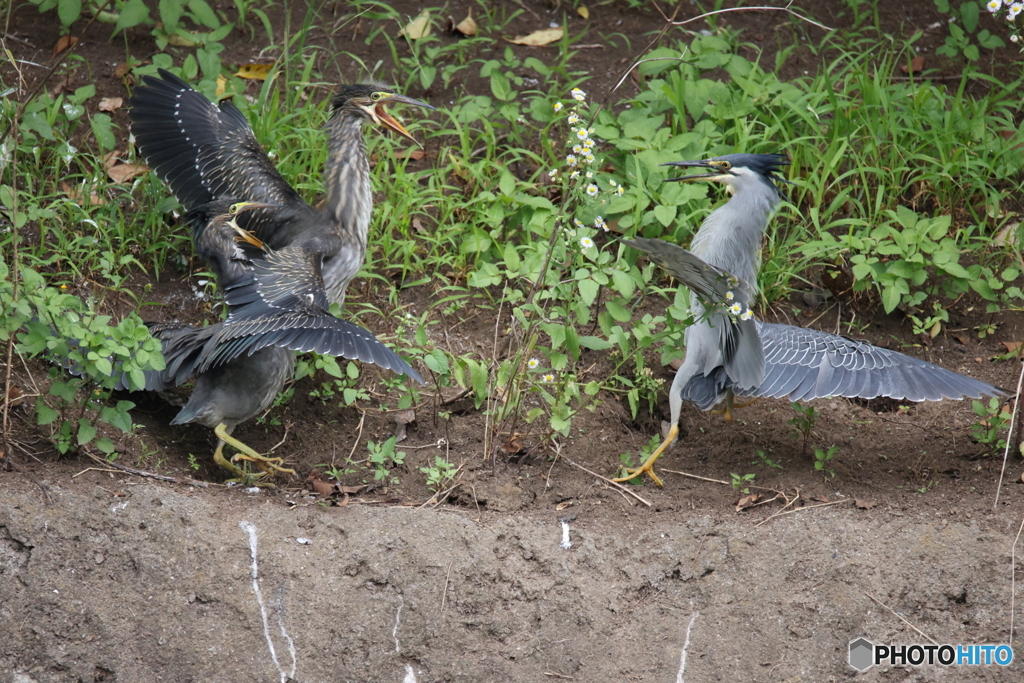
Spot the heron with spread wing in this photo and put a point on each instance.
(730, 353)
(277, 305)
(204, 152)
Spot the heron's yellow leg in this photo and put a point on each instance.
(268, 465)
(730, 403)
(648, 466)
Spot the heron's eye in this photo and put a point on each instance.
(233, 209)
(376, 96)
(724, 165)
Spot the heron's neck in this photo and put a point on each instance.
(347, 177)
(730, 238)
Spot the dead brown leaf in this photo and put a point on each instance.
(467, 26)
(63, 43)
(418, 27)
(563, 505)
(411, 153)
(124, 172)
(820, 499)
(122, 70)
(916, 65)
(111, 103)
(15, 396)
(75, 195)
(255, 72)
(539, 38)
(961, 337)
(747, 501)
(864, 504)
(349, 489)
(402, 418)
(583, 11)
(1012, 347)
(322, 488)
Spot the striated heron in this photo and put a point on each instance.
(205, 152)
(277, 305)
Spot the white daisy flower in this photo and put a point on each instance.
(573, 118)
(558, 106)
(600, 224)
(549, 377)
(994, 5)
(592, 190)
(571, 160)
(532, 363)
(586, 243)
(736, 309)
(578, 95)
(729, 296)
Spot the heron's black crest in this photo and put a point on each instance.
(347, 92)
(767, 165)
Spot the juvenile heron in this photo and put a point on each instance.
(276, 305)
(204, 152)
(728, 352)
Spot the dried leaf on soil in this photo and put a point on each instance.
(583, 11)
(1012, 347)
(418, 27)
(63, 43)
(75, 195)
(322, 488)
(222, 87)
(178, 40)
(125, 172)
(402, 418)
(747, 501)
(411, 153)
(467, 26)
(864, 504)
(916, 65)
(111, 103)
(255, 72)
(539, 38)
(563, 505)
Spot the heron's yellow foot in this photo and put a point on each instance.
(240, 476)
(268, 465)
(730, 403)
(648, 466)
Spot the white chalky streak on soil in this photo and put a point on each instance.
(251, 530)
(566, 543)
(410, 675)
(686, 644)
(394, 631)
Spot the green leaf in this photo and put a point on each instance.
(86, 432)
(105, 445)
(44, 413)
(101, 129)
(68, 11)
(132, 14)
(969, 14)
(478, 376)
(203, 13)
(512, 260)
(595, 343)
(971, 52)
(665, 214)
(500, 86)
(170, 13)
(588, 290)
(618, 311)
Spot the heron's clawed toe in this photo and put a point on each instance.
(634, 472)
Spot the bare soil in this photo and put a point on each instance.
(111, 576)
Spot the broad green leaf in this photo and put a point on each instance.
(86, 432)
(132, 14)
(203, 13)
(68, 11)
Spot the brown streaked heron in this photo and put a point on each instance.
(277, 305)
(205, 152)
(730, 353)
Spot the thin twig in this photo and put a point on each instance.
(444, 595)
(922, 633)
(362, 418)
(749, 9)
(806, 507)
(1013, 421)
(143, 473)
(609, 481)
(1013, 576)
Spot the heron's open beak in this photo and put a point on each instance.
(244, 235)
(382, 116)
(718, 173)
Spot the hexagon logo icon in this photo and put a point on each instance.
(861, 654)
